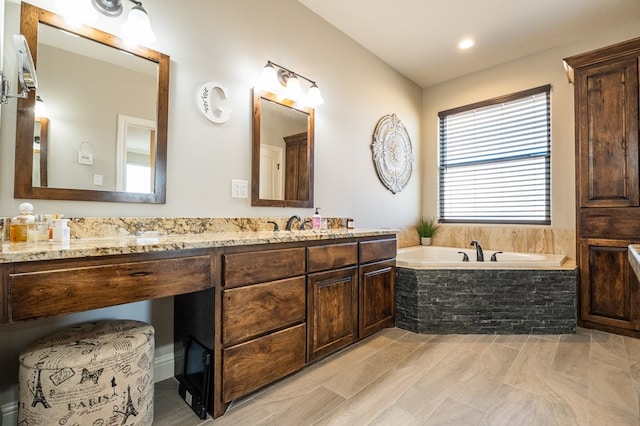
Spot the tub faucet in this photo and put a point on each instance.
(290, 222)
(479, 253)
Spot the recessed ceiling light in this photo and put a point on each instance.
(466, 43)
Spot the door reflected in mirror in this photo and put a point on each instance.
(282, 152)
(135, 158)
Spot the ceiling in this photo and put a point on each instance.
(418, 38)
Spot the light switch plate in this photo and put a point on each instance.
(239, 189)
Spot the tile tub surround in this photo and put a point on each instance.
(523, 239)
(517, 301)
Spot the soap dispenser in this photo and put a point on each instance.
(316, 220)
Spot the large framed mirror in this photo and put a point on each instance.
(89, 80)
(282, 152)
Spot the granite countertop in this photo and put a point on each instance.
(634, 258)
(154, 242)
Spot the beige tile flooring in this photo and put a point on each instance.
(401, 378)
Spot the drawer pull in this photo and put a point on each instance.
(140, 274)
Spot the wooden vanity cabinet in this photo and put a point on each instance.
(263, 318)
(282, 306)
(377, 279)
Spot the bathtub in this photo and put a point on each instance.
(520, 293)
(435, 257)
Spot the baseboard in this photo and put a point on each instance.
(163, 369)
(9, 414)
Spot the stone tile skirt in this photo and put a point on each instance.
(98, 373)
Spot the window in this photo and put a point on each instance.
(495, 159)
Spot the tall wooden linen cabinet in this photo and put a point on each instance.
(607, 185)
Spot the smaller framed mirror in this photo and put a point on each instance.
(282, 152)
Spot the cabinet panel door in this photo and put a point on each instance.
(332, 314)
(377, 297)
(608, 286)
(607, 132)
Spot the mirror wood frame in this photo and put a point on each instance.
(31, 17)
(259, 95)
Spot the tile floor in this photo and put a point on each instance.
(401, 378)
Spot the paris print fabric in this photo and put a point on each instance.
(98, 373)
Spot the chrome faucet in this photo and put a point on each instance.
(479, 253)
(290, 222)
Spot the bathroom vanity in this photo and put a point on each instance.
(265, 303)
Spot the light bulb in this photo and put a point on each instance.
(41, 108)
(138, 26)
(269, 79)
(77, 12)
(293, 90)
(314, 97)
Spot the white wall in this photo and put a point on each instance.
(230, 42)
(525, 73)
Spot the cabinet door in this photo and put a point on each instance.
(607, 133)
(332, 311)
(609, 289)
(377, 297)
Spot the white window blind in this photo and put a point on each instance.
(495, 159)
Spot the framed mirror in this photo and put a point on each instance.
(282, 152)
(89, 81)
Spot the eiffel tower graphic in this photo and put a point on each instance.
(129, 409)
(39, 395)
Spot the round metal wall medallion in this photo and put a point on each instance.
(392, 153)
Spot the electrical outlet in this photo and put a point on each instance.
(97, 179)
(239, 189)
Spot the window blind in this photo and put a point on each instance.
(495, 160)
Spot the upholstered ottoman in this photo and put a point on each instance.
(98, 373)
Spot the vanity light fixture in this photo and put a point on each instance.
(41, 108)
(284, 82)
(136, 28)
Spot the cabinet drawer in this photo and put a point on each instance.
(262, 266)
(378, 250)
(332, 256)
(256, 363)
(55, 292)
(253, 310)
